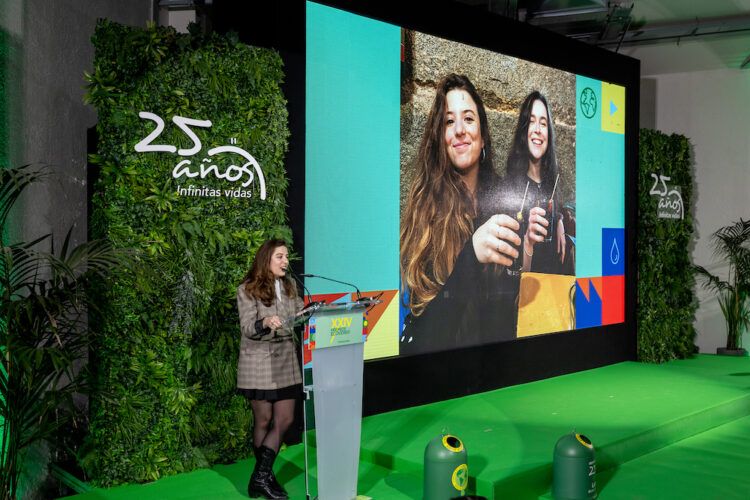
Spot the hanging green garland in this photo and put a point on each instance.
(192, 135)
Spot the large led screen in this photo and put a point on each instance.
(479, 195)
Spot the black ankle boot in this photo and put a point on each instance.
(277, 488)
(260, 482)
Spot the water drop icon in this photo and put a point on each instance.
(614, 253)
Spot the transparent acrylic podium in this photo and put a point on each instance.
(333, 399)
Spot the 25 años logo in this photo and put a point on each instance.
(670, 199)
(246, 172)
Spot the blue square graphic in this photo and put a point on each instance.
(613, 251)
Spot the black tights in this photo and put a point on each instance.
(271, 422)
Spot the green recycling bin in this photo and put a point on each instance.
(446, 473)
(574, 468)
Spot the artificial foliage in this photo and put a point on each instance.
(165, 397)
(666, 304)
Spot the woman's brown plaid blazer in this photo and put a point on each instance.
(267, 361)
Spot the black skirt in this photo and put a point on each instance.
(273, 395)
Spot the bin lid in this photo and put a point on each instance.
(444, 447)
(574, 445)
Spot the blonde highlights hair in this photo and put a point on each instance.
(440, 210)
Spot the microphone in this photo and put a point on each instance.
(359, 295)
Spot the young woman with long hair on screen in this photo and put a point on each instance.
(532, 161)
(441, 246)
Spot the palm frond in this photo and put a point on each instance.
(13, 182)
(710, 281)
(22, 269)
(729, 241)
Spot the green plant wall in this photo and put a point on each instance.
(164, 399)
(666, 305)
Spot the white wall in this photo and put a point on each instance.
(711, 108)
(178, 19)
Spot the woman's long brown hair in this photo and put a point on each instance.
(259, 281)
(518, 157)
(439, 213)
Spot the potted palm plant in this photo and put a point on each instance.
(43, 331)
(732, 245)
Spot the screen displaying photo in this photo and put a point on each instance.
(480, 195)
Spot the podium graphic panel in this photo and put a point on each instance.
(341, 328)
(337, 373)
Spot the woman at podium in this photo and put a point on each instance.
(448, 237)
(268, 373)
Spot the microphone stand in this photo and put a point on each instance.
(312, 305)
(302, 284)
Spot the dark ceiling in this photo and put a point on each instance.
(667, 36)
(626, 23)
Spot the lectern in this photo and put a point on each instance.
(333, 399)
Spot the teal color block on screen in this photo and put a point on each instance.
(352, 150)
(600, 178)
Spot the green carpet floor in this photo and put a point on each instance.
(710, 466)
(627, 410)
(630, 411)
(230, 482)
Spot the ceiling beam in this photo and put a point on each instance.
(661, 32)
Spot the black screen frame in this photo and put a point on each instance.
(399, 382)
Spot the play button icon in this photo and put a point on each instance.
(613, 108)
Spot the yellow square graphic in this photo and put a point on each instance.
(613, 108)
(544, 304)
(382, 340)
